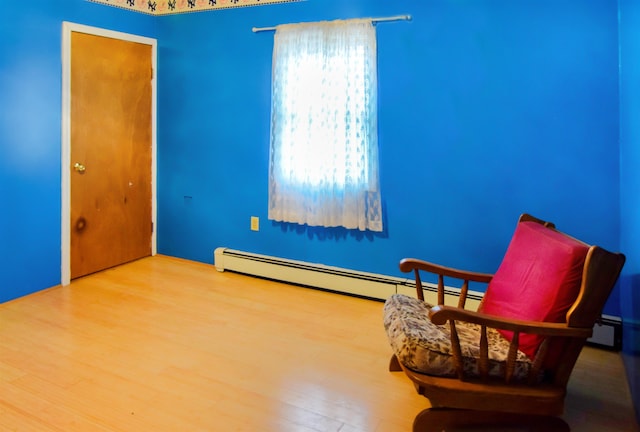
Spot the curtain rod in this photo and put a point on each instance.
(373, 20)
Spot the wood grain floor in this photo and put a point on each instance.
(163, 344)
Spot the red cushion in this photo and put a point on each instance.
(538, 279)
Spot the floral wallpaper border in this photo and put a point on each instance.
(165, 7)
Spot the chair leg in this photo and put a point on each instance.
(444, 419)
(394, 364)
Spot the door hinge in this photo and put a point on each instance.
(151, 227)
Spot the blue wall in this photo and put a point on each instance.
(488, 109)
(630, 189)
(30, 133)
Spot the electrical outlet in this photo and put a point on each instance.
(255, 223)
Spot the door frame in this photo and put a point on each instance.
(67, 29)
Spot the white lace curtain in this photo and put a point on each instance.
(324, 146)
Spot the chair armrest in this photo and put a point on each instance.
(418, 265)
(412, 264)
(441, 314)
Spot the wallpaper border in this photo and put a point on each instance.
(168, 7)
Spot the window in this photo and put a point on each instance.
(324, 147)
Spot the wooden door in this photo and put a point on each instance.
(111, 156)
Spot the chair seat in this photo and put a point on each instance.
(425, 347)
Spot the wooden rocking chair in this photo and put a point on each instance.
(509, 362)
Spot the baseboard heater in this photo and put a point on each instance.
(608, 333)
(363, 284)
(312, 275)
(335, 279)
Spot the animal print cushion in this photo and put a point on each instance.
(425, 347)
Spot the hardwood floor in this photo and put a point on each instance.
(163, 344)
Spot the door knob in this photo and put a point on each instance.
(79, 167)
